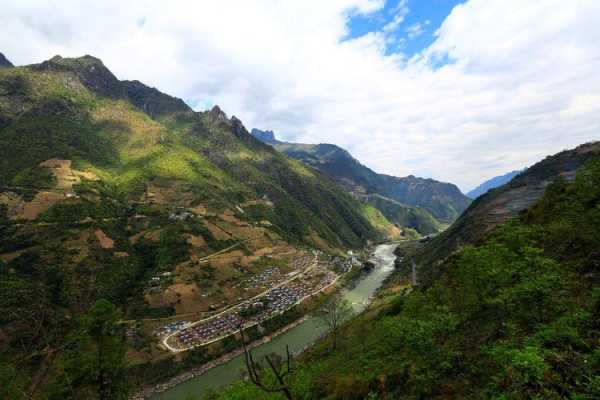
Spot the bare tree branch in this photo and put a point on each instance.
(280, 374)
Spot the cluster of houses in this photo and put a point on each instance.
(301, 263)
(170, 328)
(210, 330)
(259, 280)
(181, 215)
(274, 302)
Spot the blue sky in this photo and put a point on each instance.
(419, 21)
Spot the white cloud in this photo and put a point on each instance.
(400, 12)
(522, 83)
(415, 30)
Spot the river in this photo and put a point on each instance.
(296, 338)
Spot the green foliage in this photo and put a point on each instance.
(411, 217)
(77, 211)
(9, 383)
(93, 366)
(35, 177)
(172, 248)
(378, 220)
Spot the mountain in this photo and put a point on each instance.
(4, 63)
(412, 217)
(131, 135)
(443, 201)
(492, 183)
(502, 203)
(267, 137)
(113, 190)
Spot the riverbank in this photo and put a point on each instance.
(150, 390)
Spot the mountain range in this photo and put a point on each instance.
(425, 205)
(492, 183)
(125, 214)
(512, 309)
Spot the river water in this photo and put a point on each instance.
(296, 338)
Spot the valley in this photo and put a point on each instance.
(113, 194)
(148, 250)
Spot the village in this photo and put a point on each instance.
(310, 275)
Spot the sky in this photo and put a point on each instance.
(459, 91)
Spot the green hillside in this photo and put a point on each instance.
(411, 217)
(515, 317)
(129, 135)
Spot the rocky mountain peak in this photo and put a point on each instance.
(267, 137)
(91, 71)
(218, 114)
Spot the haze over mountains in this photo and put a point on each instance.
(422, 204)
(492, 183)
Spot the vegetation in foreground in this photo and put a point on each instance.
(517, 317)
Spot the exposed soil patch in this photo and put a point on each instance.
(227, 259)
(8, 257)
(65, 176)
(40, 203)
(196, 241)
(187, 296)
(105, 241)
(169, 194)
(199, 210)
(153, 236)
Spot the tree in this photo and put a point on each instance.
(9, 383)
(94, 364)
(333, 313)
(279, 369)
